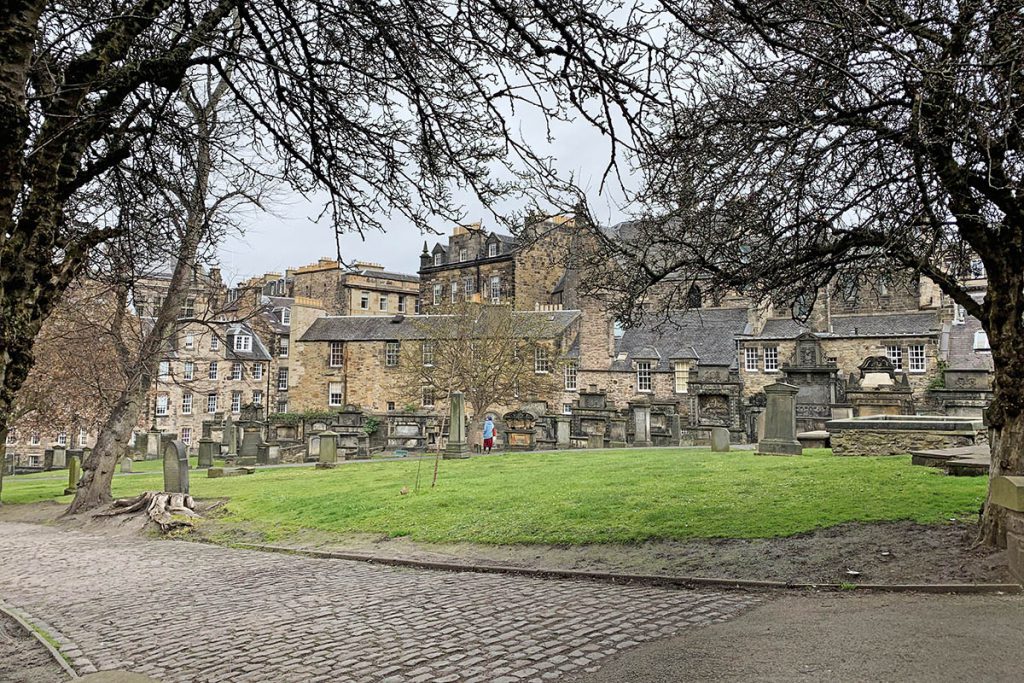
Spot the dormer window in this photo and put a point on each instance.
(243, 342)
(437, 259)
(492, 250)
(286, 316)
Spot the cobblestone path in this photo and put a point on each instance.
(198, 613)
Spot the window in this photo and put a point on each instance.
(382, 302)
(401, 304)
(492, 249)
(282, 379)
(214, 342)
(282, 347)
(62, 439)
(34, 439)
(334, 394)
(188, 308)
(364, 300)
(571, 376)
(455, 290)
(771, 359)
(916, 358)
(428, 354)
(981, 341)
(495, 289)
(750, 360)
(190, 342)
(391, 406)
(336, 354)
(541, 363)
(243, 342)
(257, 370)
(186, 403)
(643, 375)
(682, 376)
(418, 305)
(282, 405)
(428, 397)
(257, 397)
(189, 372)
(236, 401)
(286, 316)
(12, 437)
(83, 436)
(211, 403)
(391, 354)
(186, 435)
(566, 409)
(895, 356)
(438, 293)
(236, 370)
(212, 374)
(161, 405)
(438, 259)
(462, 254)
(34, 461)
(467, 288)
(165, 369)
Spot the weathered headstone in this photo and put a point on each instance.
(126, 465)
(328, 450)
(719, 440)
(780, 421)
(562, 427)
(175, 467)
(60, 458)
(457, 447)
(74, 474)
(641, 422)
(8, 464)
(207, 449)
(153, 444)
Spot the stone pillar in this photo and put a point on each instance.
(780, 421)
(207, 449)
(328, 448)
(153, 444)
(126, 465)
(456, 447)
(175, 467)
(74, 474)
(641, 423)
(562, 431)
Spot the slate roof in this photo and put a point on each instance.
(387, 275)
(908, 324)
(961, 354)
(707, 335)
(381, 328)
(259, 350)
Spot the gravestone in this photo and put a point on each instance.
(248, 452)
(456, 447)
(562, 425)
(8, 464)
(641, 422)
(719, 440)
(780, 421)
(60, 458)
(328, 450)
(207, 449)
(153, 444)
(126, 465)
(175, 467)
(74, 474)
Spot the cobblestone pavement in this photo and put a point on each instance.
(190, 612)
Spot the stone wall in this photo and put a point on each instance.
(479, 272)
(539, 268)
(899, 442)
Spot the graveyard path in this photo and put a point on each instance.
(189, 612)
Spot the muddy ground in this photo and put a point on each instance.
(888, 552)
(23, 658)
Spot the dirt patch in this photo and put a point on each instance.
(23, 658)
(892, 552)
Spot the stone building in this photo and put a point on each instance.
(364, 289)
(489, 267)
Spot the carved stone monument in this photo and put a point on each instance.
(780, 421)
(520, 434)
(641, 412)
(456, 447)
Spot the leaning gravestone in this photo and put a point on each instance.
(175, 467)
(780, 421)
(74, 473)
(719, 440)
(328, 450)
(126, 465)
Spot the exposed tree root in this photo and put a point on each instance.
(169, 511)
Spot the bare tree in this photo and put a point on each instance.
(809, 141)
(495, 356)
(384, 105)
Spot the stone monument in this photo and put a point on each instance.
(175, 467)
(456, 447)
(153, 444)
(126, 465)
(207, 449)
(328, 450)
(641, 410)
(780, 421)
(719, 440)
(74, 474)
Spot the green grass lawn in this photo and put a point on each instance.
(577, 496)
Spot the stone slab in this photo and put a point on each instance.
(968, 467)
(779, 447)
(1008, 492)
(217, 472)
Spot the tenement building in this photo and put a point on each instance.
(362, 289)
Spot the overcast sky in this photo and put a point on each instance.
(291, 238)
